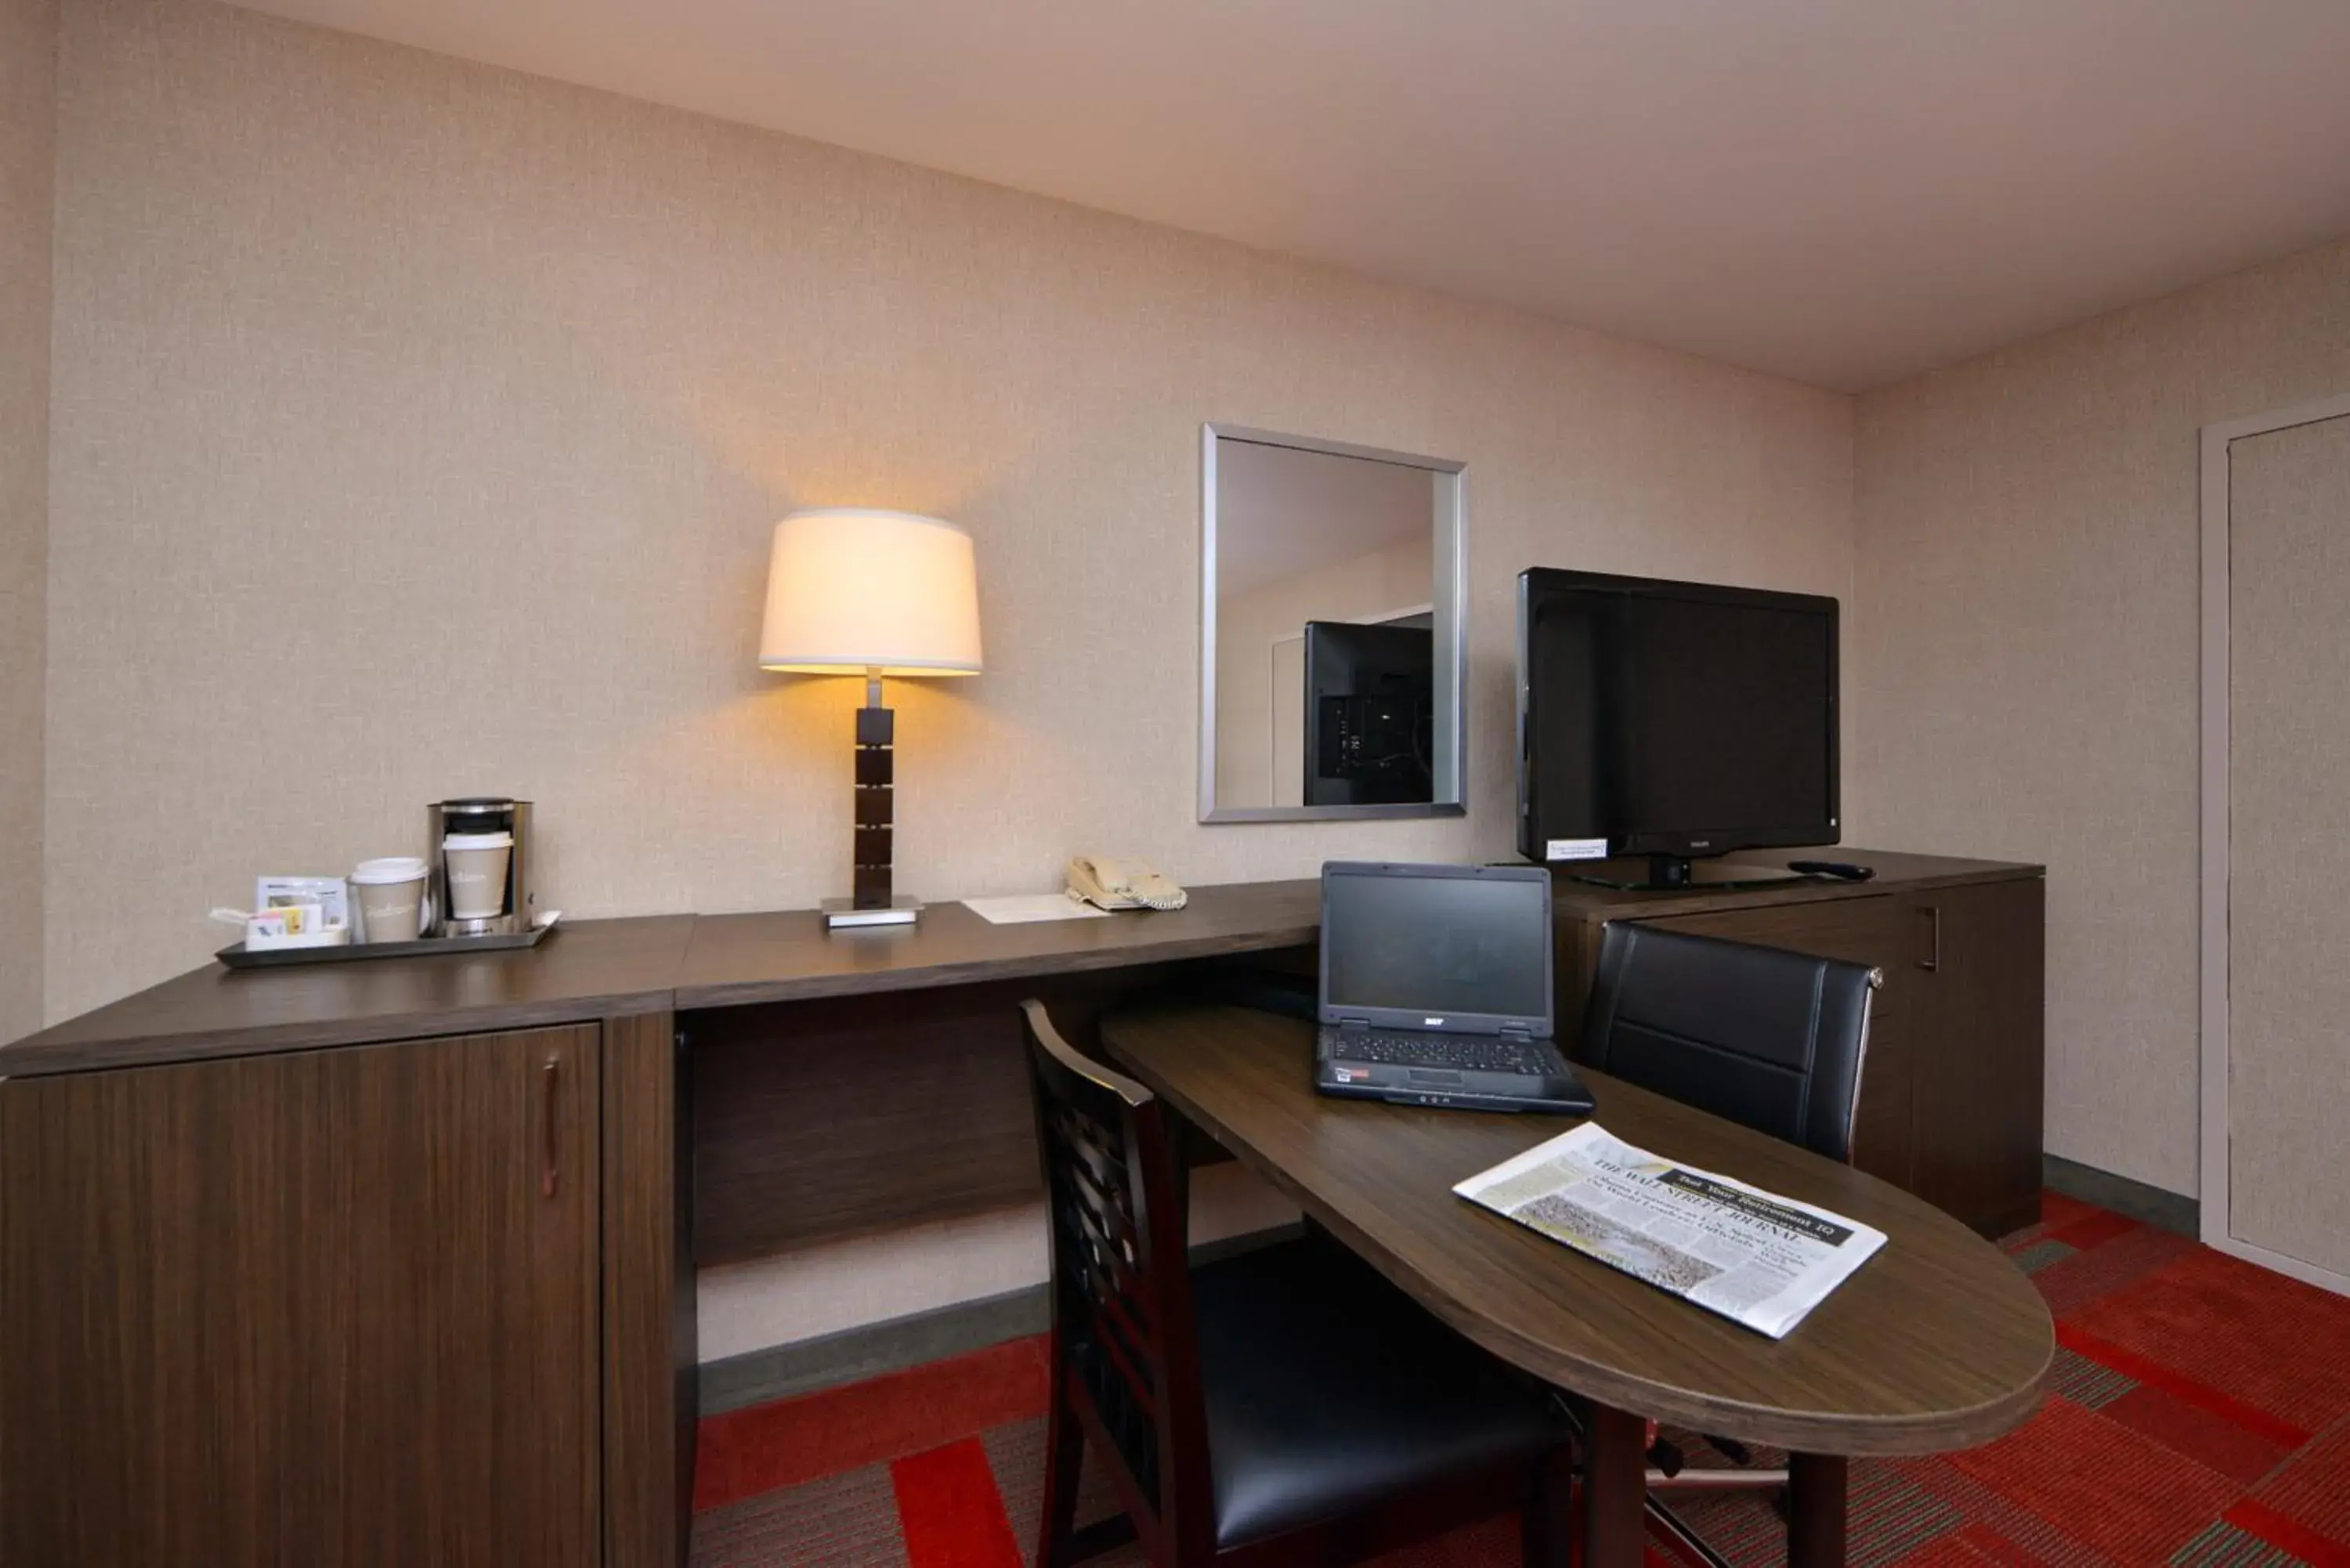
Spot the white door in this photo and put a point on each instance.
(2287, 1089)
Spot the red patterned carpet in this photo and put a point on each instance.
(2198, 1415)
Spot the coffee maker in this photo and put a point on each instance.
(481, 820)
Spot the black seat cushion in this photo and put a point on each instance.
(1328, 1391)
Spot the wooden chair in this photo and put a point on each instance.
(1773, 1040)
(1286, 1405)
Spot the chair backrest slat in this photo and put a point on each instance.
(1122, 1318)
(1771, 1039)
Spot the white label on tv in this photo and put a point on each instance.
(1576, 849)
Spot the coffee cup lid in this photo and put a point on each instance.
(389, 868)
(478, 841)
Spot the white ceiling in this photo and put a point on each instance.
(1843, 192)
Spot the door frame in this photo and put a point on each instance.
(1272, 715)
(2213, 1035)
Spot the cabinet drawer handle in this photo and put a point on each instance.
(549, 1078)
(1934, 960)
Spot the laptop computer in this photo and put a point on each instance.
(1436, 988)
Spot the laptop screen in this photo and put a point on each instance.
(1416, 939)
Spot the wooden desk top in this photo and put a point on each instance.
(735, 960)
(1938, 1343)
(597, 969)
(600, 969)
(582, 971)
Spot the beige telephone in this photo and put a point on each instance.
(1109, 884)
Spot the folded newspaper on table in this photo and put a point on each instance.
(1755, 1258)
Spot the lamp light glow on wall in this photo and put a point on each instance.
(855, 591)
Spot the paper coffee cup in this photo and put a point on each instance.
(477, 873)
(390, 896)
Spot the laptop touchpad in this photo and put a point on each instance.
(1435, 1077)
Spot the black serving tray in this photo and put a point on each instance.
(351, 952)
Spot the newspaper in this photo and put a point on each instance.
(1755, 1258)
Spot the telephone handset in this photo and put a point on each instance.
(1109, 884)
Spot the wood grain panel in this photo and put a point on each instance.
(1938, 1342)
(828, 1118)
(304, 1309)
(1980, 1050)
(650, 1381)
(810, 1124)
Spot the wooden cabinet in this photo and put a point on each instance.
(1978, 1044)
(1951, 1090)
(332, 1306)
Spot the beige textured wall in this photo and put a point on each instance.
(419, 428)
(28, 79)
(844, 1284)
(2023, 671)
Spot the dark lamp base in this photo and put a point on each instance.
(844, 915)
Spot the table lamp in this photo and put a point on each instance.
(857, 591)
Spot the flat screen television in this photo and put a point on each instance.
(1370, 714)
(1678, 721)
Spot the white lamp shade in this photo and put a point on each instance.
(851, 589)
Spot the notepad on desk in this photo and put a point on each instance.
(1023, 908)
(1756, 1258)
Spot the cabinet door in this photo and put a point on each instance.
(1978, 950)
(1876, 930)
(331, 1307)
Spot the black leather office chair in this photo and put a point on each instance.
(1773, 1040)
(1283, 1405)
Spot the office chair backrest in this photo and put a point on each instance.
(1771, 1039)
(1123, 1327)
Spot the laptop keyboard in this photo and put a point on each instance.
(1464, 1052)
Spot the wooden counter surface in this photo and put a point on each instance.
(582, 971)
(617, 967)
(739, 960)
(1938, 1342)
(587, 970)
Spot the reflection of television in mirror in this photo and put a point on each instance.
(1677, 720)
(1370, 713)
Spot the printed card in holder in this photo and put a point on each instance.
(1756, 1258)
(332, 895)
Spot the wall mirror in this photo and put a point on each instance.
(1330, 630)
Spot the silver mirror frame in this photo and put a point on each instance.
(1449, 778)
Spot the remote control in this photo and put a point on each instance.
(1843, 870)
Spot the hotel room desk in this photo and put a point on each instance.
(513, 1137)
(730, 1087)
(1938, 1343)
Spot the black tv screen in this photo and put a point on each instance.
(1370, 714)
(1672, 719)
